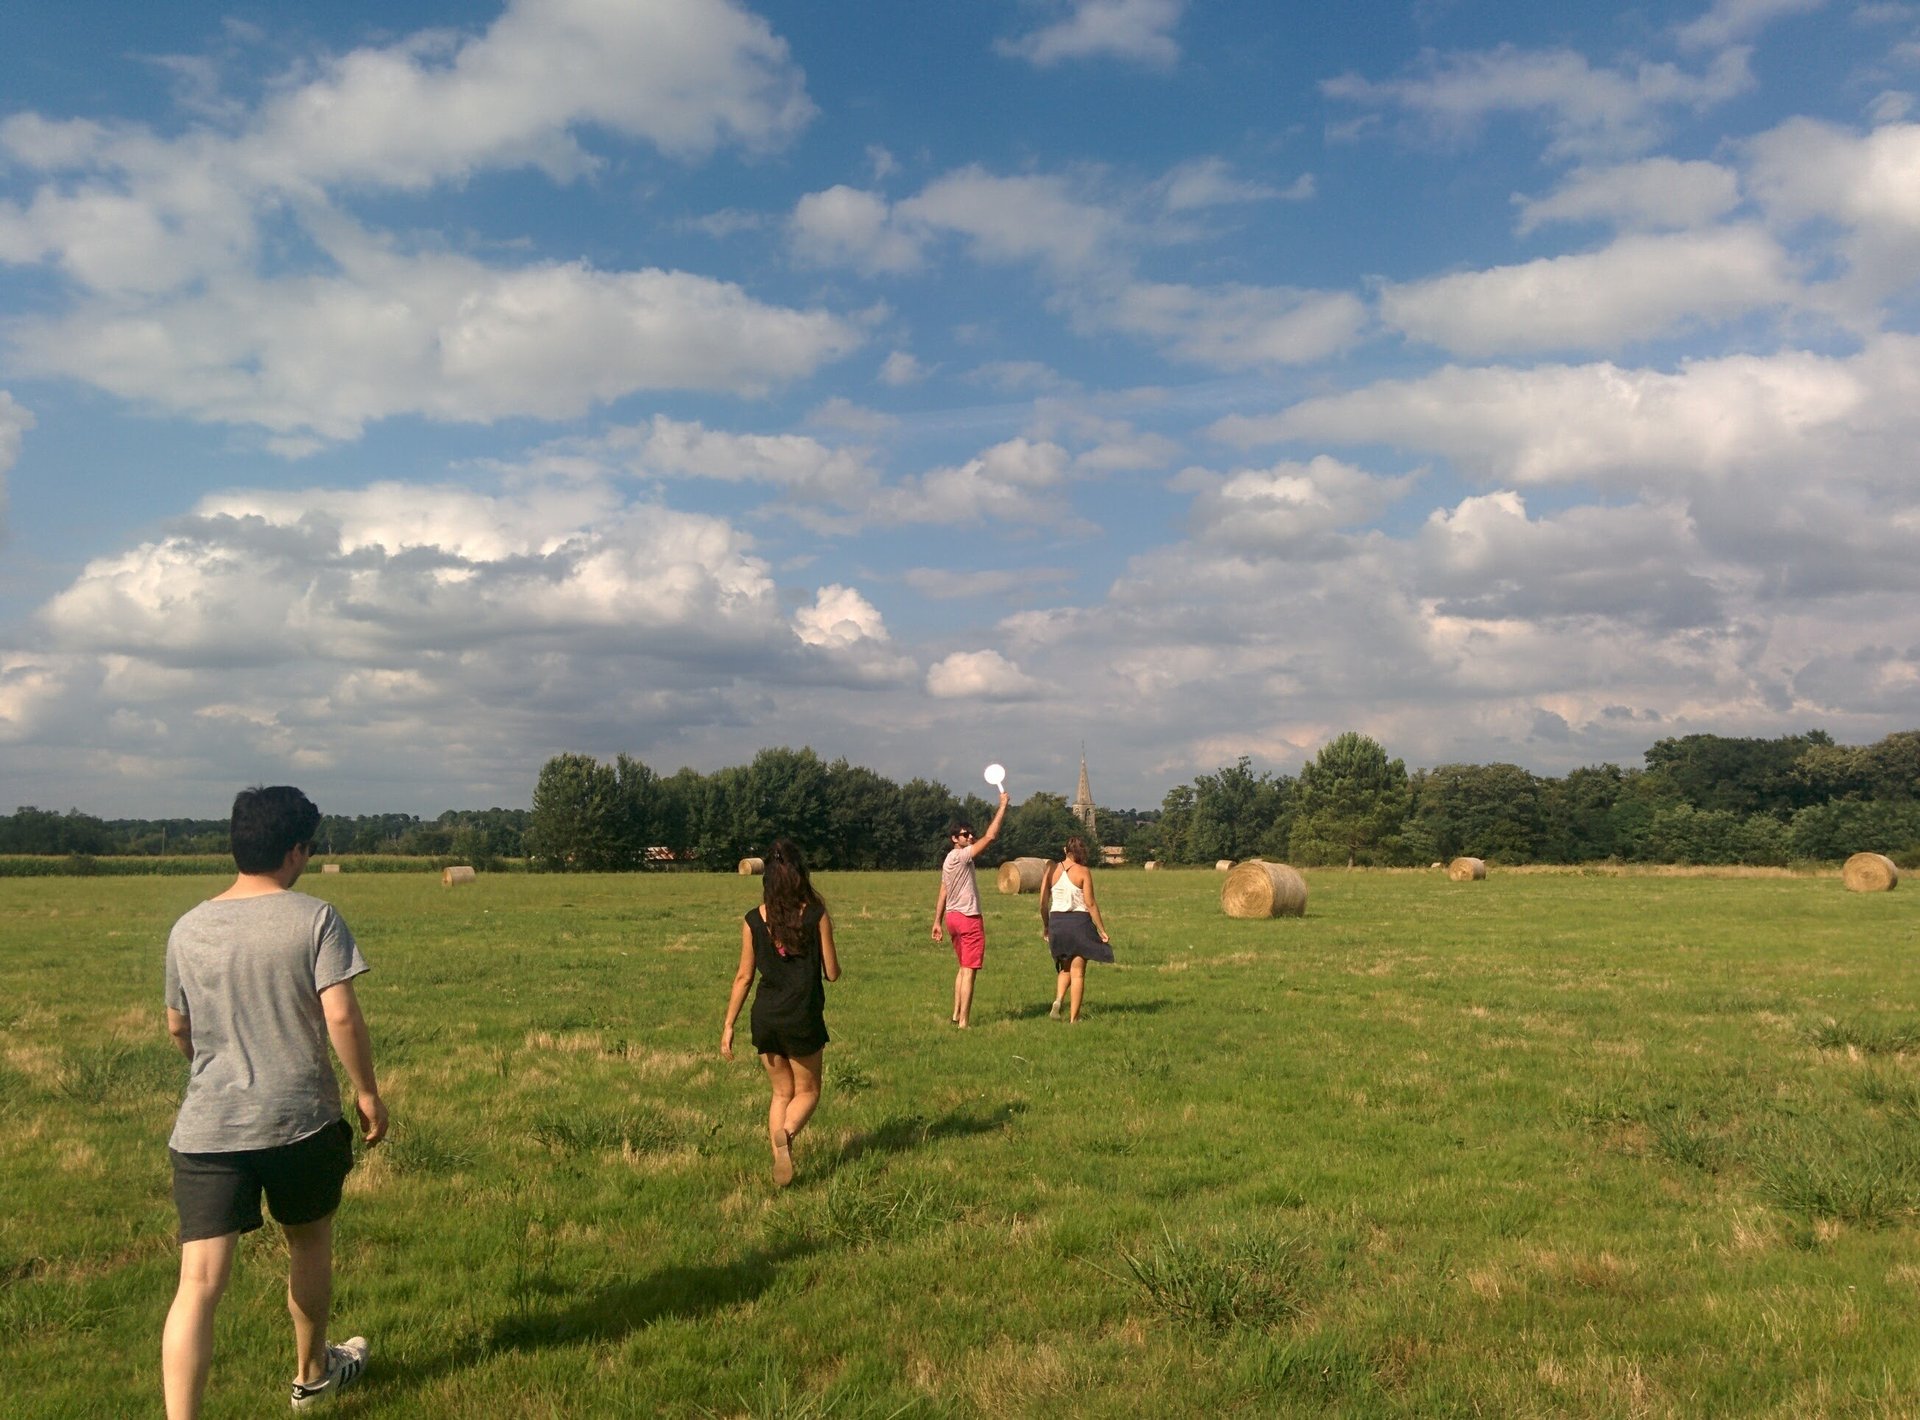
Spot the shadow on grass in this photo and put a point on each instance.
(901, 1132)
(1039, 1010)
(614, 1310)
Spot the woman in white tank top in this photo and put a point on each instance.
(1070, 921)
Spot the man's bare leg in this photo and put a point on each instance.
(310, 1295)
(186, 1346)
(963, 996)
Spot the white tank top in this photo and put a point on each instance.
(1067, 896)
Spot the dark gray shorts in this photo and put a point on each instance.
(217, 1194)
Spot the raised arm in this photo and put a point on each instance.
(742, 979)
(347, 1029)
(993, 829)
(829, 959)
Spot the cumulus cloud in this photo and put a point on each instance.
(1805, 171)
(1136, 30)
(164, 239)
(1292, 508)
(979, 675)
(844, 226)
(443, 336)
(1003, 483)
(802, 466)
(1589, 111)
(1635, 289)
(1651, 195)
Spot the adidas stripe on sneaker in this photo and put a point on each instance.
(345, 1362)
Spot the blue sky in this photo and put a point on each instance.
(393, 396)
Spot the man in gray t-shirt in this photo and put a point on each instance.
(259, 982)
(956, 911)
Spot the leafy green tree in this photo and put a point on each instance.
(1234, 812)
(1681, 833)
(1893, 767)
(1038, 827)
(926, 810)
(866, 824)
(1176, 817)
(1577, 822)
(1837, 830)
(1738, 776)
(1483, 810)
(1349, 803)
(578, 822)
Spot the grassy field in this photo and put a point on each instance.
(1551, 1144)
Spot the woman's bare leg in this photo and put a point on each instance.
(1060, 983)
(1077, 980)
(780, 1077)
(806, 1091)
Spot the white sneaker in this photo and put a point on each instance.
(345, 1362)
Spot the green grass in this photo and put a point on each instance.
(1551, 1144)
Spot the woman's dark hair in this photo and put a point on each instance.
(787, 892)
(1077, 849)
(269, 823)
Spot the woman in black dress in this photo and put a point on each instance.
(788, 940)
(1070, 921)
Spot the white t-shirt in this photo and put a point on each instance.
(963, 894)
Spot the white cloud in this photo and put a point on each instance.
(1589, 111)
(980, 675)
(1807, 171)
(901, 368)
(946, 584)
(1030, 217)
(802, 466)
(1137, 30)
(441, 336)
(839, 616)
(1290, 507)
(1733, 21)
(844, 226)
(1637, 288)
(1653, 194)
(1209, 182)
(1235, 327)
(1005, 483)
(1631, 428)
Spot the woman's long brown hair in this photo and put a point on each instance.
(788, 892)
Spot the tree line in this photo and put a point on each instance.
(1709, 799)
(475, 835)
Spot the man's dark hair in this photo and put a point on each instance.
(959, 825)
(269, 823)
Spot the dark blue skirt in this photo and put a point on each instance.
(1072, 934)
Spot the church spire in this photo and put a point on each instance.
(1082, 805)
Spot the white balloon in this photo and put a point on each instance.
(997, 775)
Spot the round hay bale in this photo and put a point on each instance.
(752, 867)
(1150, 866)
(1259, 889)
(1021, 874)
(1467, 870)
(450, 876)
(1870, 872)
(1223, 865)
(329, 867)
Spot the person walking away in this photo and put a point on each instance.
(1071, 923)
(788, 942)
(957, 910)
(259, 981)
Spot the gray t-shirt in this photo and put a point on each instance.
(248, 973)
(963, 894)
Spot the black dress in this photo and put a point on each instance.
(790, 1007)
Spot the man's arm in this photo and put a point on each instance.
(993, 829)
(347, 1029)
(940, 904)
(181, 1029)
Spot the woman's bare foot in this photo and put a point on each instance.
(783, 1159)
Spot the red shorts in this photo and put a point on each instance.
(969, 937)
